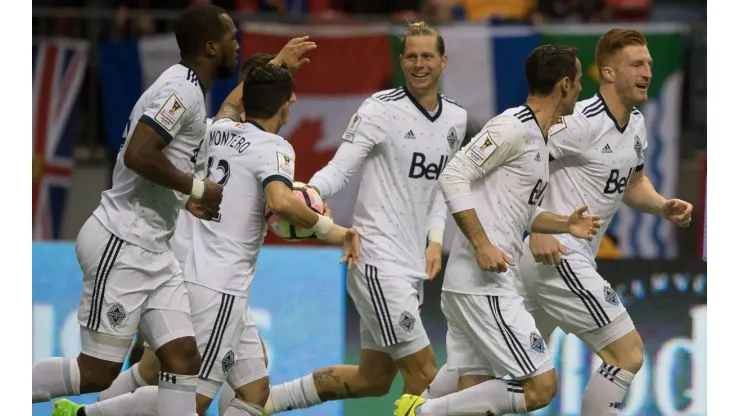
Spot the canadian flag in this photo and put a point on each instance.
(348, 66)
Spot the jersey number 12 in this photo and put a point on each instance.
(223, 166)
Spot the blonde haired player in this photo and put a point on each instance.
(598, 161)
(401, 139)
(493, 187)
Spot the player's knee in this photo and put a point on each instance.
(180, 356)
(632, 359)
(540, 390)
(96, 375)
(626, 353)
(255, 392)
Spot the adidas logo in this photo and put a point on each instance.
(409, 135)
(537, 158)
(606, 149)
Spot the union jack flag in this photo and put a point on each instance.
(58, 70)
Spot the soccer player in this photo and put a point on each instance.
(256, 168)
(598, 161)
(144, 373)
(402, 138)
(493, 187)
(131, 278)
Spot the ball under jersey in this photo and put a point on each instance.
(507, 161)
(593, 160)
(135, 209)
(182, 239)
(243, 158)
(401, 148)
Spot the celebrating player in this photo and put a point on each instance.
(493, 187)
(598, 161)
(402, 138)
(131, 278)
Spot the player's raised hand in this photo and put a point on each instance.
(434, 260)
(583, 226)
(351, 248)
(491, 259)
(198, 210)
(546, 249)
(212, 196)
(292, 52)
(678, 212)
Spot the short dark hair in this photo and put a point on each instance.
(547, 65)
(252, 61)
(196, 26)
(423, 29)
(266, 88)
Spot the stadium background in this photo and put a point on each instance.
(92, 59)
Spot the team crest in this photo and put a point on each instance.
(638, 146)
(175, 106)
(349, 133)
(482, 148)
(286, 165)
(537, 343)
(227, 362)
(611, 296)
(116, 314)
(452, 137)
(407, 321)
(558, 127)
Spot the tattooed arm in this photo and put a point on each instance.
(229, 111)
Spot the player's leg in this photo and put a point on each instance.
(143, 373)
(373, 376)
(586, 305)
(228, 393)
(444, 383)
(491, 337)
(105, 334)
(248, 376)
(166, 326)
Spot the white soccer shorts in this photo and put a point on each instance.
(388, 306)
(574, 297)
(124, 288)
(494, 335)
(228, 340)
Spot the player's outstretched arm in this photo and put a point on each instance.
(642, 196)
(579, 224)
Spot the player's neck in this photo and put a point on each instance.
(427, 98)
(545, 111)
(270, 125)
(615, 105)
(206, 74)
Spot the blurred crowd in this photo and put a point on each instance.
(495, 11)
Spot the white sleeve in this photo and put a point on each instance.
(201, 154)
(173, 106)
(641, 145)
(501, 140)
(365, 131)
(278, 164)
(569, 137)
(437, 219)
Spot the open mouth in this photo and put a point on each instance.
(419, 76)
(643, 87)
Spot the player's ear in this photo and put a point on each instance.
(211, 48)
(444, 62)
(607, 73)
(565, 85)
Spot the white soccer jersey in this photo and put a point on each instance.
(244, 159)
(182, 239)
(404, 149)
(593, 162)
(508, 160)
(139, 211)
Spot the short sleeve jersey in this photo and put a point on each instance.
(243, 158)
(593, 160)
(135, 209)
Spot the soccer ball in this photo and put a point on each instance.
(290, 232)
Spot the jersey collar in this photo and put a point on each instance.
(255, 124)
(200, 84)
(528, 114)
(621, 130)
(421, 109)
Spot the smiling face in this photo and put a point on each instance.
(422, 63)
(632, 73)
